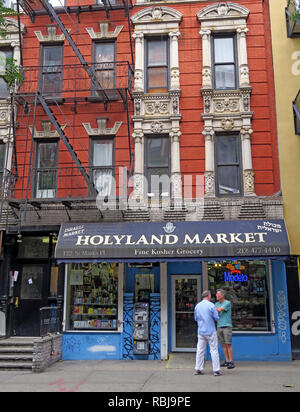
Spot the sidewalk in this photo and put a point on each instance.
(176, 375)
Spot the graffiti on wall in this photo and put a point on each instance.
(282, 316)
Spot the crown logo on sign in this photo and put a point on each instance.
(169, 228)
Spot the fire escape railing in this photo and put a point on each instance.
(72, 82)
(37, 7)
(45, 86)
(63, 183)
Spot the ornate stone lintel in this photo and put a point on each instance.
(157, 127)
(104, 31)
(228, 124)
(102, 130)
(52, 36)
(46, 132)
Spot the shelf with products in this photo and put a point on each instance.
(93, 302)
(249, 298)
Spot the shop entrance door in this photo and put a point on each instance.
(30, 294)
(186, 292)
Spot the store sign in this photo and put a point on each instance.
(235, 276)
(189, 240)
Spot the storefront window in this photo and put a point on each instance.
(92, 297)
(34, 247)
(246, 286)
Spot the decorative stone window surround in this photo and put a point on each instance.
(102, 130)
(226, 110)
(11, 40)
(157, 113)
(104, 33)
(52, 36)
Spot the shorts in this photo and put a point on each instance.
(225, 336)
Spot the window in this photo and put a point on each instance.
(46, 170)
(57, 3)
(103, 165)
(2, 161)
(296, 108)
(10, 4)
(92, 296)
(6, 53)
(34, 247)
(101, 3)
(247, 288)
(104, 65)
(228, 165)
(157, 164)
(224, 56)
(51, 71)
(157, 64)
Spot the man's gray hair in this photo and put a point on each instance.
(206, 294)
(222, 291)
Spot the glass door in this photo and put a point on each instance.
(186, 292)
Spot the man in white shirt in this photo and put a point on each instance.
(206, 315)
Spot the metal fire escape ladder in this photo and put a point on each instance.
(78, 53)
(66, 141)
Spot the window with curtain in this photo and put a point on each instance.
(46, 170)
(103, 165)
(157, 64)
(158, 165)
(6, 53)
(224, 56)
(228, 165)
(104, 64)
(52, 71)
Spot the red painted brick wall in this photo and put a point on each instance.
(264, 138)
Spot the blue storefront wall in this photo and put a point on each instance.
(269, 347)
(247, 347)
(91, 346)
(105, 345)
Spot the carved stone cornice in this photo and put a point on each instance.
(52, 35)
(102, 130)
(156, 15)
(46, 132)
(104, 32)
(156, 106)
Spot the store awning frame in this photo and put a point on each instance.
(137, 242)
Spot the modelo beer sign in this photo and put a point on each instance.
(164, 241)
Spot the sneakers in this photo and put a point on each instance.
(228, 365)
(217, 373)
(197, 372)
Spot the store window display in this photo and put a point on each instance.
(247, 288)
(92, 296)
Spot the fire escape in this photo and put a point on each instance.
(80, 84)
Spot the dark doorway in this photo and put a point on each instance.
(30, 295)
